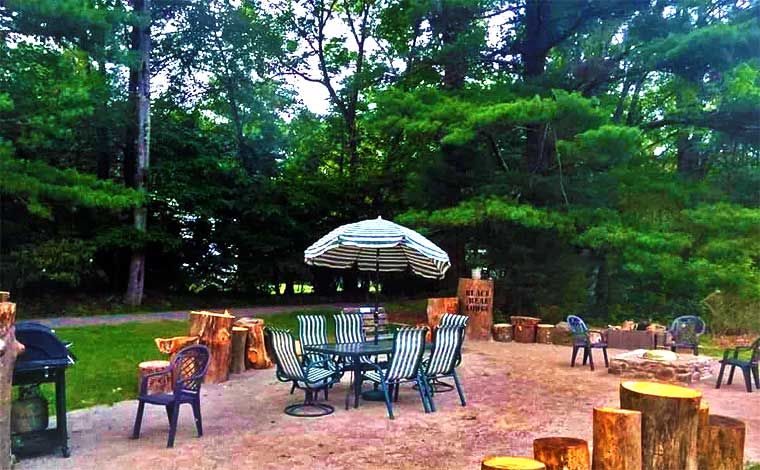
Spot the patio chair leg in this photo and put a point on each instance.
(720, 376)
(173, 425)
(293, 388)
(585, 355)
(326, 388)
(591, 358)
(138, 420)
(756, 370)
(198, 419)
(696, 350)
(387, 400)
(395, 393)
(423, 387)
(459, 388)
(575, 354)
(731, 375)
(169, 414)
(747, 378)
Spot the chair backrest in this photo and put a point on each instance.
(755, 358)
(687, 328)
(408, 346)
(189, 366)
(578, 328)
(368, 315)
(349, 328)
(284, 348)
(452, 319)
(447, 348)
(312, 329)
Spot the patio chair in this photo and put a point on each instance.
(309, 376)
(449, 319)
(444, 359)
(748, 366)
(349, 328)
(188, 369)
(586, 339)
(404, 367)
(312, 330)
(686, 331)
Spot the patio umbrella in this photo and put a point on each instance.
(381, 246)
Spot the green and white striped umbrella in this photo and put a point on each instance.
(378, 245)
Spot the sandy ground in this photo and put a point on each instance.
(515, 393)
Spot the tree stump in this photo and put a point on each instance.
(544, 333)
(239, 337)
(502, 332)
(562, 453)
(617, 439)
(257, 355)
(172, 346)
(703, 420)
(511, 463)
(669, 420)
(214, 330)
(524, 328)
(723, 444)
(158, 384)
(9, 350)
(438, 306)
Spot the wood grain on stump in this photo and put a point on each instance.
(562, 453)
(502, 332)
(158, 384)
(9, 350)
(239, 339)
(257, 355)
(524, 328)
(438, 306)
(669, 423)
(544, 333)
(511, 463)
(703, 420)
(617, 439)
(723, 444)
(214, 330)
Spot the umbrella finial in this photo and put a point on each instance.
(379, 217)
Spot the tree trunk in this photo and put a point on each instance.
(617, 439)
(723, 446)
(511, 463)
(669, 423)
(139, 85)
(544, 333)
(158, 384)
(9, 349)
(239, 337)
(562, 453)
(257, 355)
(215, 331)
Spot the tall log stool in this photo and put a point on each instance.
(256, 354)
(562, 453)
(617, 439)
(669, 423)
(215, 331)
(239, 338)
(511, 463)
(723, 445)
(544, 333)
(502, 332)
(158, 384)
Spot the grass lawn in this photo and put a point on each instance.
(107, 356)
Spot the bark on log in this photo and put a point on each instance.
(723, 447)
(617, 439)
(669, 423)
(9, 350)
(158, 384)
(214, 330)
(257, 354)
(476, 301)
(524, 328)
(502, 332)
(562, 453)
(511, 463)
(239, 338)
(438, 306)
(544, 333)
(703, 420)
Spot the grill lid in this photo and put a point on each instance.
(43, 348)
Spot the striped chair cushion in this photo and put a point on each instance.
(451, 319)
(313, 330)
(408, 344)
(373, 375)
(319, 373)
(284, 348)
(448, 341)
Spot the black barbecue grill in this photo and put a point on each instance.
(45, 359)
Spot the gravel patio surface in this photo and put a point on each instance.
(515, 392)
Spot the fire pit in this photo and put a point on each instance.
(655, 365)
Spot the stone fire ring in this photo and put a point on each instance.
(686, 368)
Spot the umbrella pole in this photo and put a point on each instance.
(377, 292)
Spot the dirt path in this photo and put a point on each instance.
(178, 315)
(515, 393)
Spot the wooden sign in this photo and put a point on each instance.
(476, 301)
(437, 307)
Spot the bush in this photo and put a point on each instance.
(731, 314)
